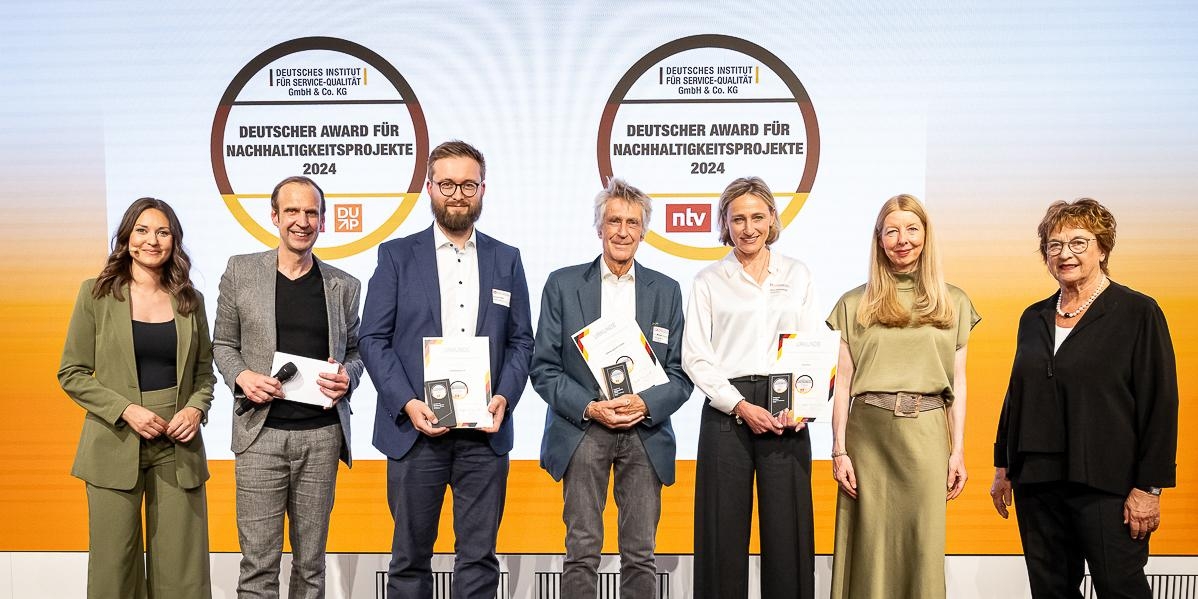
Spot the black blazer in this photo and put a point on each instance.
(1103, 410)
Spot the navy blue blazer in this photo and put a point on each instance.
(403, 305)
(560, 376)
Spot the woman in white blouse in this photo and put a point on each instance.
(737, 308)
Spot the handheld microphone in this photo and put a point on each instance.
(285, 373)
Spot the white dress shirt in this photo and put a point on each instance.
(619, 293)
(457, 273)
(732, 322)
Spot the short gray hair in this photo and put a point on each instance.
(619, 188)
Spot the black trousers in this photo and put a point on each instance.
(1065, 525)
(729, 457)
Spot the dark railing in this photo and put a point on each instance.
(548, 585)
(1164, 586)
(442, 585)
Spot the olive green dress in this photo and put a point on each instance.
(890, 540)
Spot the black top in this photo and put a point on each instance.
(1102, 411)
(301, 328)
(154, 349)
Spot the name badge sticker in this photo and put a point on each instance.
(501, 297)
(661, 335)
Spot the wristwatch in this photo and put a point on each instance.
(1151, 490)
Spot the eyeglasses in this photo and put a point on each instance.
(448, 188)
(1077, 245)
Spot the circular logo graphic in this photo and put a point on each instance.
(616, 376)
(803, 384)
(780, 384)
(693, 115)
(332, 110)
(629, 365)
(438, 391)
(459, 390)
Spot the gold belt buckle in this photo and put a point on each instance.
(906, 405)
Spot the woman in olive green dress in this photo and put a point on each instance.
(899, 413)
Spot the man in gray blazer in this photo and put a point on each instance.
(286, 300)
(587, 435)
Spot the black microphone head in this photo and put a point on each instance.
(286, 372)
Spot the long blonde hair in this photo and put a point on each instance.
(881, 304)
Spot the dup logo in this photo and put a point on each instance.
(347, 218)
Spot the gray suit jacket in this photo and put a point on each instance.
(571, 300)
(244, 335)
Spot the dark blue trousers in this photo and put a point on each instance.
(465, 462)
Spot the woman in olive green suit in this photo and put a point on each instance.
(138, 358)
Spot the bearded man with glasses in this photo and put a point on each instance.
(449, 280)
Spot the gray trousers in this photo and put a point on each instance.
(638, 502)
(292, 472)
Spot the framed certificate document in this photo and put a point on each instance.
(804, 374)
(619, 357)
(457, 380)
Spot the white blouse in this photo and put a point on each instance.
(732, 323)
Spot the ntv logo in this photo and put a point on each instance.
(688, 218)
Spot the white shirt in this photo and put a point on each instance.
(619, 293)
(732, 323)
(457, 274)
(1059, 338)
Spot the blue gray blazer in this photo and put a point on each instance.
(403, 306)
(571, 301)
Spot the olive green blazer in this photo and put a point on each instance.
(99, 372)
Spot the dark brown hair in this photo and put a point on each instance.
(460, 148)
(176, 275)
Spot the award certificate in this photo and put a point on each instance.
(608, 342)
(806, 374)
(463, 365)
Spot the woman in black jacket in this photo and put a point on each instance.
(1088, 433)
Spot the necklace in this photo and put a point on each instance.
(1082, 308)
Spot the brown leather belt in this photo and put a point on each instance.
(906, 405)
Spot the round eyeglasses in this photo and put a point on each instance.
(1077, 245)
(448, 188)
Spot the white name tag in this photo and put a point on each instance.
(779, 288)
(501, 297)
(661, 335)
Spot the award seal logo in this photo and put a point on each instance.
(439, 391)
(332, 110)
(780, 385)
(617, 377)
(693, 114)
(803, 384)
